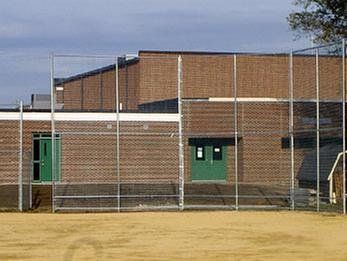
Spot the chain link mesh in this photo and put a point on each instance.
(179, 130)
(318, 127)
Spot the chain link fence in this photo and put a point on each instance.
(120, 150)
(181, 130)
(318, 108)
(15, 166)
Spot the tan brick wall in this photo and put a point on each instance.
(149, 150)
(154, 78)
(151, 157)
(133, 82)
(99, 90)
(9, 151)
(91, 92)
(72, 95)
(206, 75)
(330, 77)
(262, 76)
(261, 127)
(158, 78)
(109, 90)
(9, 147)
(208, 119)
(60, 96)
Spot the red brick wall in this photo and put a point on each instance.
(158, 78)
(206, 75)
(261, 127)
(72, 95)
(97, 92)
(149, 150)
(154, 78)
(9, 149)
(109, 93)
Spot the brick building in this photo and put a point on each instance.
(85, 123)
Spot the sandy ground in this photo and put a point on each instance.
(173, 236)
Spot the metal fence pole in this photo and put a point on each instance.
(180, 131)
(53, 129)
(344, 125)
(236, 133)
(291, 131)
(118, 137)
(30, 187)
(317, 129)
(20, 159)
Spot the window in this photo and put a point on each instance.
(217, 152)
(36, 171)
(36, 150)
(200, 153)
(36, 158)
(45, 148)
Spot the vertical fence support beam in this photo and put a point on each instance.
(291, 131)
(317, 128)
(20, 158)
(236, 149)
(180, 135)
(118, 136)
(344, 125)
(53, 129)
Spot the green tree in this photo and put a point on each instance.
(324, 20)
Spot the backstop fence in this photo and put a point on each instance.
(15, 164)
(184, 130)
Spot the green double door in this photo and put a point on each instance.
(42, 161)
(208, 162)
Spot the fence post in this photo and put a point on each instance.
(317, 129)
(30, 176)
(53, 129)
(236, 150)
(291, 131)
(344, 125)
(180, 138)
(118, 137)
(20, 158)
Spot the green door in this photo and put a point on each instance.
(43, 160)
(209, 162)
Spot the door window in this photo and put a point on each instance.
(217, 153)
(36, 160)
(200, 153)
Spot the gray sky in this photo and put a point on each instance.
(31, 29)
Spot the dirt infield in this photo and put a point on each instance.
(173, 236)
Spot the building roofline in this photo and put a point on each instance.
(210, 53)
(123, 62)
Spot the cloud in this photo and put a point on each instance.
(30, 30)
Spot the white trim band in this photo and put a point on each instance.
(264, 99)
(72, 116)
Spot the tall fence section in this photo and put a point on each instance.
(15, 163)
(115, 154)
(318, 124)
(179, 130)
